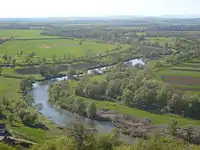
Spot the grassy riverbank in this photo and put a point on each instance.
(9, 89)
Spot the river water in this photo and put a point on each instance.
(64, 117)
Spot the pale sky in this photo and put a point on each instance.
(80, 8)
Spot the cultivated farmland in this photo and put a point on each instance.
(185, 75)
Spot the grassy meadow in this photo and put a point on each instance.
(50, 47)
(22, 34)
(161, 40)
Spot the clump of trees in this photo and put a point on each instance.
(140, 90)
(48, 71)
(132, 87)
(25, 86)
(61, 94)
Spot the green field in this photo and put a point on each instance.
(12, 72)
(48, 48)
(170, 72)
(22, 34)
(186, 76)
(161, 40)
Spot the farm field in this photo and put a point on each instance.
(51, 47)
(186, 76)
(22, 34)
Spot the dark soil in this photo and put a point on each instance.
(181, 80)
(60, 68)
(26, 71)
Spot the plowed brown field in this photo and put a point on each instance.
(181, 80)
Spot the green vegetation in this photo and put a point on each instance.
(22, 34)
(161, 40)
(58, 48)
(170, 48)
(12, 101)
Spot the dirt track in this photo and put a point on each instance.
(181, 80)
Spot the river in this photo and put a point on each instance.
(64, 117)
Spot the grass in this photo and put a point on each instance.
(98, 78)
(22, 34)
(7, 85)
(155, 118)
(169, 72)
(48, 48)
(12, 72)
(141, 33)
(161, 40)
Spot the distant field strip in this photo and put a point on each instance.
(185, 69)
(181, 80)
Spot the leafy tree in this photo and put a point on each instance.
(5, 102)
(127, 97)
(29, 99)
(44, 59)
(1, 111)
(173, 127)
(54, 58)
(21, 53)
(80, 42)
(108, 142)
(25, 86)
(29, 118)
(32, 54)
(83, 136)
(176, 104)
(11, 119)
(65, 56)
(13, 62)
(91, 111)
(113, 89)
(80, 107)
(70, 73)
(1, 70)
(5, 57)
